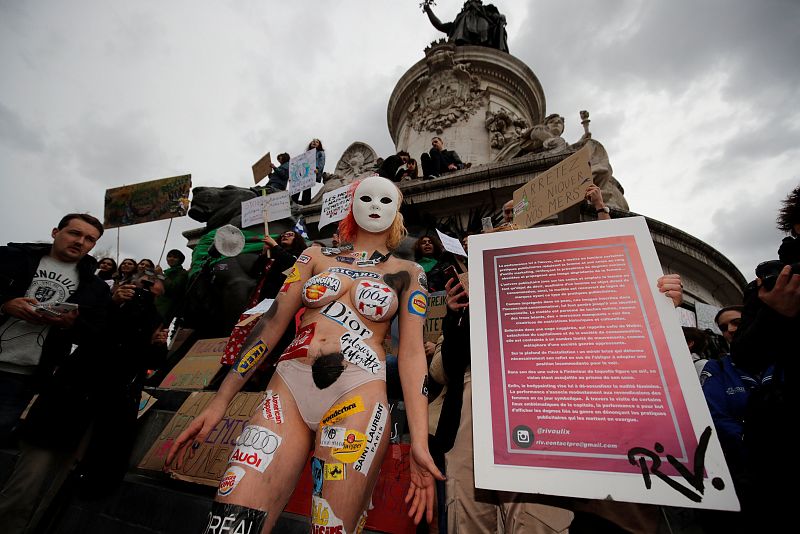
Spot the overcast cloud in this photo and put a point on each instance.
(695, 101)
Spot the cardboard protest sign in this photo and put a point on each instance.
(335, 205)
(559, 187)
(147, 201)
(437, 309)
(147, 401)
(583, 384)
(262, 168)
(451, 244)
(389, 512)
(198, 367)
(209, 460)
(303, 171)
(276, 205)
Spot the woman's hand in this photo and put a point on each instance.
(423, 486)
(195, 433)
(457, 297)
(671, 286)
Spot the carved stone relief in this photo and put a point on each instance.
(504, 127)
(355, 161)
(449, 93)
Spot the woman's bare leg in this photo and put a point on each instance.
(265, 465)
(347, 479)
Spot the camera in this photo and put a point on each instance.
(768, 272)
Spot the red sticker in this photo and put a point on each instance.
(299, 347)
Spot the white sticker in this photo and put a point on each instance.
(374, 434)
(332, 436)
(323, 520)
(271, 409)
(373, 299)
(355, 274)
(355, 351)
(255, 447)
(340, 313)
(230, 480)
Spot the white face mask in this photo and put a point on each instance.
(375, 204)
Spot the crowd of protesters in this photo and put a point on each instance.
(62, 354)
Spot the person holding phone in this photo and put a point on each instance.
(33, 342)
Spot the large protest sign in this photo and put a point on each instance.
(198, 367)
(303, 171)
(207, 463)
(276, 205)
(583, 385)
(147, 201)
(335, 205)
(262, 167)
(559, 187)
(437, 309)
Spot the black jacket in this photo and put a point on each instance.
(18, 263)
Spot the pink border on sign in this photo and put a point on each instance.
(587, 445)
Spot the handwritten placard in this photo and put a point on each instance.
(437, 309)
(276, 205)
(198, 367)
(303, 171)
(451, 244)
(559, 187)
(335, 205)
(262, 167)
(207, 463)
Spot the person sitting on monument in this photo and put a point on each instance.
(329, 389)
(390, 165)
(406, 172)
(279, 176)
(439, 161)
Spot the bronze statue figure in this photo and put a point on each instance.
(476, 24)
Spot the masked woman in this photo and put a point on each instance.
(329, 389)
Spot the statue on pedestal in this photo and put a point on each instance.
(476, 24)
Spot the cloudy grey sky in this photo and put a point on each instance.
(695, 100)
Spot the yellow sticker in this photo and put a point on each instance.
(354, 443)
(293, 275)
(334, 471)
(251, 358)
(342, 410)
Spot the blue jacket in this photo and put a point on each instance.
(727, 389)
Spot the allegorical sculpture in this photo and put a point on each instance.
(546, 138)
(476, 24)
